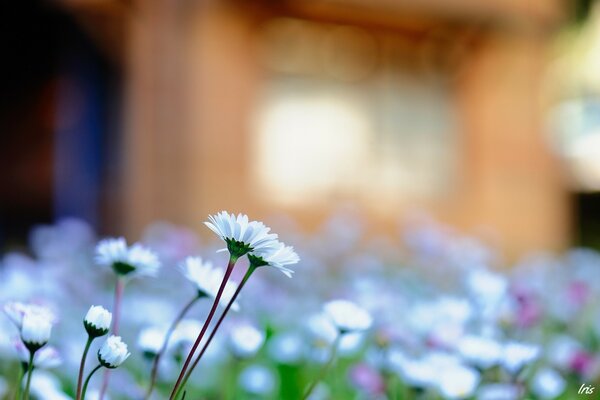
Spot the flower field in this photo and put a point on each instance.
(427, 314)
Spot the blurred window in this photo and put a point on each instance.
(350, 112)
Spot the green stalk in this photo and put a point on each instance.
(82, 365)
(87, 381)
(29, 373)
(20, 375)
(325, 368)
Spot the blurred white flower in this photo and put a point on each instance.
(185, 334)
(45, 386)
(480, 351)
(241, 235)
(547, 384)
(245, 340)
(258, 380)
(278, 258)
(94, 394)
(487, 288)
(16, 311)
(286, 348)
(208, 279)
(499, 391)
(124, 260)
(562, 349)
(111, 250)
(517, 355)
(351, 343)
(322, 329)
(441, 313)
(347, 316)
(417, 373)
(151, 339)
(46, 357)
(113, 352)
(97, 321)
(67, 238)
(458, 382)
(35, 330)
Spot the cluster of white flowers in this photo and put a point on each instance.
(466, 335)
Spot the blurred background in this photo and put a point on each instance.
(483, 114)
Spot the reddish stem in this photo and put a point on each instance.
(163, 348)
(228, 272)
(119, 287)
(251, 269)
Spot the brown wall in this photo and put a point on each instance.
(194, 78)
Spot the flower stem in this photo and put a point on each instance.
(119, 288)
(20, 374)
(82, 365)
(29, 373)
(325, 368)
(87, 381)
(249, 272)
(230, 265)
(163, 348)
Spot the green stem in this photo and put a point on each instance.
(20, 375)
(230, 265)
(82, 365)
(29, 373)
(325, 368)
(249, 272)
(87, 381)
(163, 348)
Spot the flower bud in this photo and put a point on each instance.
(97, 321)
(35, 331)
(113, 352)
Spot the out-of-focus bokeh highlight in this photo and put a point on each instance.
(482, 114)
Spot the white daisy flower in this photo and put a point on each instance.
(97, 321)
(16, 311)
(241, 235)
(499, 391)
(246, 340)
(113, 352)
(321, 329)
(184, 336)
(480, 351)
(548, 384)
(277, 257)
(458, 382)
(124, 260)
(416, 373)
(46, 357)
(347, 316)
(258, 380)
(208, 279)
(35, 330)
(151, 340)
(517, 355)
